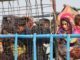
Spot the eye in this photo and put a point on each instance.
(64, 24)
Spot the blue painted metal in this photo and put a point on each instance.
(68, 47)
(34, 47)
(16, 47)
(40, 35)
(51, 36)
(51, 47)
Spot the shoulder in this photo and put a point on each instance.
(60, 30)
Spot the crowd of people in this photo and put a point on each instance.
(25, 25)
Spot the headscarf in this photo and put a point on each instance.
(70, 22)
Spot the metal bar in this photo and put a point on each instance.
(3, 9)
(30, 36)
(21, 9)
(51, 47)
(68, 47)
(26, 7)
(34, 47)
(54, 12)
(36, 6)
(51, 36)
(41, 3)
(46, 15)
(29, 6)
(16, 47)
(10, 7)
(18, 7)
(13, 9)
(41, 35)
(55, 26)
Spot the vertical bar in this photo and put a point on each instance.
(42, 11)
(34, 47)
(3, 12)
(16, 47)
(51, 47)
(68, 47)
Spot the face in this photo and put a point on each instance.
(20, 28)
(65, 25)
(29, 24)
(46, 25)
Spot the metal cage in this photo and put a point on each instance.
(10, 10)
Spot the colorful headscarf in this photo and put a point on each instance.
(61, 30)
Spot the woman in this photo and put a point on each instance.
(66, 27)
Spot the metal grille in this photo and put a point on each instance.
(36, 8)
(18, 8)
(51, 36)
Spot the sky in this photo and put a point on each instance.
(73, 3)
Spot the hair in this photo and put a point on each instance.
(20, 21)
(64, 19)
(28, 19)
(76, 19)
(67, 20)
(45, 20)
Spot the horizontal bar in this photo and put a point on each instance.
(41, 35)
(26, 6)
(21, 9)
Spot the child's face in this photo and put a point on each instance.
(20, 28)
(65, 25)
(29, 24)
(46, 25)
